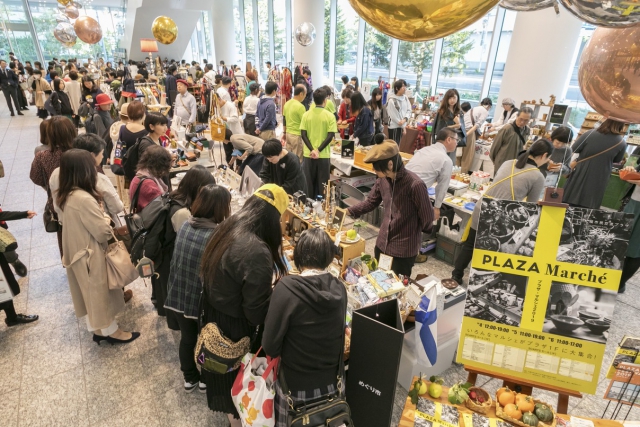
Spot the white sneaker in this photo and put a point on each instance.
(189, 387)
(202, 387)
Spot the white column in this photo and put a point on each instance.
(224, 36)
(541, 56)
(310, 11)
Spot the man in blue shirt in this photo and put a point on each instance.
(266, 122)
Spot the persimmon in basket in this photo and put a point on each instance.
(525, 403)
(513, 411)
(506, 396)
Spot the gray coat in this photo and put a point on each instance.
(506, 145)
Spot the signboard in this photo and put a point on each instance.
(628, 351)
(542, 291)
(625, 384)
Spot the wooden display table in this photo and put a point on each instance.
(526, 387)
(408, 413)
(348, 251)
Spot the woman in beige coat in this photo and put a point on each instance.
(41, 89)
(84, 247)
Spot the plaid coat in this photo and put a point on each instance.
(185, 287)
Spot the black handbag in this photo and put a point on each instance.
(326, 411)
(51, 224)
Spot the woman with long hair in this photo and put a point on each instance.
(597, 149)
(449, 116)
(517, 180)
(85, 245)
(90, 90)
(60, 135)
(60, 100)
(239, 265)
(344, 112)
(379, 113)
(363, 126)
(211, 206)
(305, 325)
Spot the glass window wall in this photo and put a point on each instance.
(346, 42)
(573, 96)
(501, 57)
(238, 31)
(16, 36)
(377, 56)
(279, 30)
(464, 59)
(415, 61)
(248, 30)
(263, 31)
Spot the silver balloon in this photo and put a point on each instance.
(72, 12)
(305, 33)
(65, 33)
(71, 43)
(61, 7)
(77, 5)
(526, 5)
(61, 18)
(605, 13)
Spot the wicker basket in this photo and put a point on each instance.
(479, 408)
(501, 414)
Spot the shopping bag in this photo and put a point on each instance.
(5, 290)
(426, 331)
(254, 390)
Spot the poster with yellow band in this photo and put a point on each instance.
(542, 292)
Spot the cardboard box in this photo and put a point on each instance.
(359, 179)
(358, 160)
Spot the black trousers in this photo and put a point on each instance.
(11, 92)
(9, 309)
(399, 265)
(228, 150)
(631, 266)
(396, 135)
(188, 340)
(317, 172)
(465, 256)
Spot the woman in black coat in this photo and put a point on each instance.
(13, 318)
(60, 100)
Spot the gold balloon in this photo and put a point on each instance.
(88, 29)
(609, 73)
(420, 20)
(64, 2)
(164, 30)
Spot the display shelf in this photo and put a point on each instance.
(409, 411)
(347, 251)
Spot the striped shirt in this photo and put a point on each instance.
(405, 217)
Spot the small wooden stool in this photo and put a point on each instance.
(526, 386)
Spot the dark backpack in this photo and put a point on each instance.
(141, 225)
(132, 156)
(89, 124)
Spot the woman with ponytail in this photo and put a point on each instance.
(516, 180)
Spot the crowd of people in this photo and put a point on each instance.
(215, 266)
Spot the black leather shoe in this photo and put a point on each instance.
(12, 114)
(21, 318)
(98, 338)
(20, 114)
(25, 108)
(20, 268)
(134, 335)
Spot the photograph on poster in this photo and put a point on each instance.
(426, 406)
(625, 384)
(508, 227)
(496, 297)
(595, 238)
(631, 343)
(622, 358)
(478, 420)
(580, 312)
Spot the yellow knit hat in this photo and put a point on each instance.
(280, 199)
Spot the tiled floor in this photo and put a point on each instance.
(52, 374)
